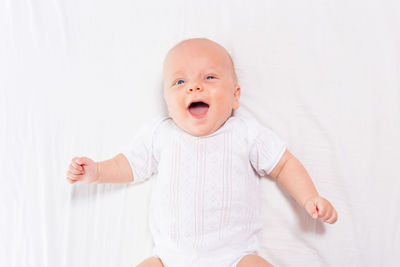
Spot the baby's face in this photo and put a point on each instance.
(200, 87)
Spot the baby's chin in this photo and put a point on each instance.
(200, 126)
(198, 130)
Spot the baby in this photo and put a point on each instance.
(204, 208)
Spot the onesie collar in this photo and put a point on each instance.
(223, 127)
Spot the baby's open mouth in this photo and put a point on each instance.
(198, 109)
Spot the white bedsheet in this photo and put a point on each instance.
(77, 78)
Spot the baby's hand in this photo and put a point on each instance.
(82, 169)
(319, 207)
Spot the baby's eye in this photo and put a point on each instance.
(179, 82)
(209, 77)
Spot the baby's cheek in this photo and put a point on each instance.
(173, 104)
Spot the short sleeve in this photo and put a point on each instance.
(266, 149)
(141, 152)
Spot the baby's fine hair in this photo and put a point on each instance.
(208, 40)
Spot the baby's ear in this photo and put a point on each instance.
(236, 95)
(237, 92)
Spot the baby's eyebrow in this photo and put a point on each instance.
(214, 72)
(213, 68)
(176, 73)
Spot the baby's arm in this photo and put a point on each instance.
(293, 177)
(85, 170)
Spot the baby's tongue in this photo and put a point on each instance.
(198, 109)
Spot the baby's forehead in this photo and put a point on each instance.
(200, 50)
(199, 47)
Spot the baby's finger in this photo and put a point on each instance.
(333, 218)
(311, 209)
(74, 170)
(321, 209)
(76, 166)
(71, 181)
(83, 161)
(72, 176)
(327, 215)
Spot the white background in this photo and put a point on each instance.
(77, 78)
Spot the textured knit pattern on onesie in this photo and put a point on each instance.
(205, 196)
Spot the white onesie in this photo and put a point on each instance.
(205, 198)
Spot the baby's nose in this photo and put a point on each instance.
(194, 88)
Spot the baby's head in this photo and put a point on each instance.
(200, 86)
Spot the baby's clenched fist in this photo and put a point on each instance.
(319, 207)
(82, 169)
